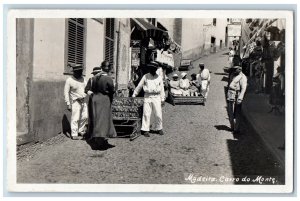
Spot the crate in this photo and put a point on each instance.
(127, 113)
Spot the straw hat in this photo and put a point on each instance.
(96, 70)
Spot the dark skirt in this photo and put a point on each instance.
(100, 117)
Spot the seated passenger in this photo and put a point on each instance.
(195, 85)
(174, 86)
(184, 84)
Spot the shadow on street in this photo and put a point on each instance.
(249, 156)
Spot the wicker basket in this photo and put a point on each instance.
(127, 108)
(127, 114)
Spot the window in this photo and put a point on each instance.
(212, 40)
(109, 39)
(75, 42)
(214, 21)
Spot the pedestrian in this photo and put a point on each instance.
(130, 88)
(154, 97)
(276, 98)
(230, 56)
(204, 79)
(96, 71)
(100, 112)
(174, 86)
(235, 96)
(75, 100)
(195, 85)
(88, 90)
(184, 85)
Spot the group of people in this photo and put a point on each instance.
(199, 83)
(92, 121)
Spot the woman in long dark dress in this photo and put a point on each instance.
(100, 115)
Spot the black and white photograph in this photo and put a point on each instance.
(150, 101)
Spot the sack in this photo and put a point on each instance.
(231, 94)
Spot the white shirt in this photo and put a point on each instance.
(184, 84)
(231, 53)
(74, 89)
(151, 85)
(160, 72)
(205, 75)
(239, 83)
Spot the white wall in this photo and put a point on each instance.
(94, 45)
(49, 49)
(194, 37)
(197, 33)
(192, 33)
(220, 31)
(123, 53)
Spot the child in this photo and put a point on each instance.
(194, 88)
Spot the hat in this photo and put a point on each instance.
(104, 63)
(153, 64)
(237, 67)
(183, 75)
(77, 67)
(201, 64)
(96, 70)
(175, 75)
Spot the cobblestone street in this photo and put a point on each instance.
(196, 141)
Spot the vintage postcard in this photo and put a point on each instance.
(150, 101)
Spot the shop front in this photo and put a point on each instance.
(150, 43)
(270, 35)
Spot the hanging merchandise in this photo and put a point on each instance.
(251, 47)
(165, 58)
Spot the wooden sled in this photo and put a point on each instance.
(185, 100)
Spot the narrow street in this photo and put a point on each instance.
(196, 141)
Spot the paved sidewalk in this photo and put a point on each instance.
(269, 126)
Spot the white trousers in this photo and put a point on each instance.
(79, 118)
(204, 88)
(230, 61)
(152, 106)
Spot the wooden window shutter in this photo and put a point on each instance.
(75, 42)
(214, 21)
(109, 39)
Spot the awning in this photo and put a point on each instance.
(148, 30)
(159, 25)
